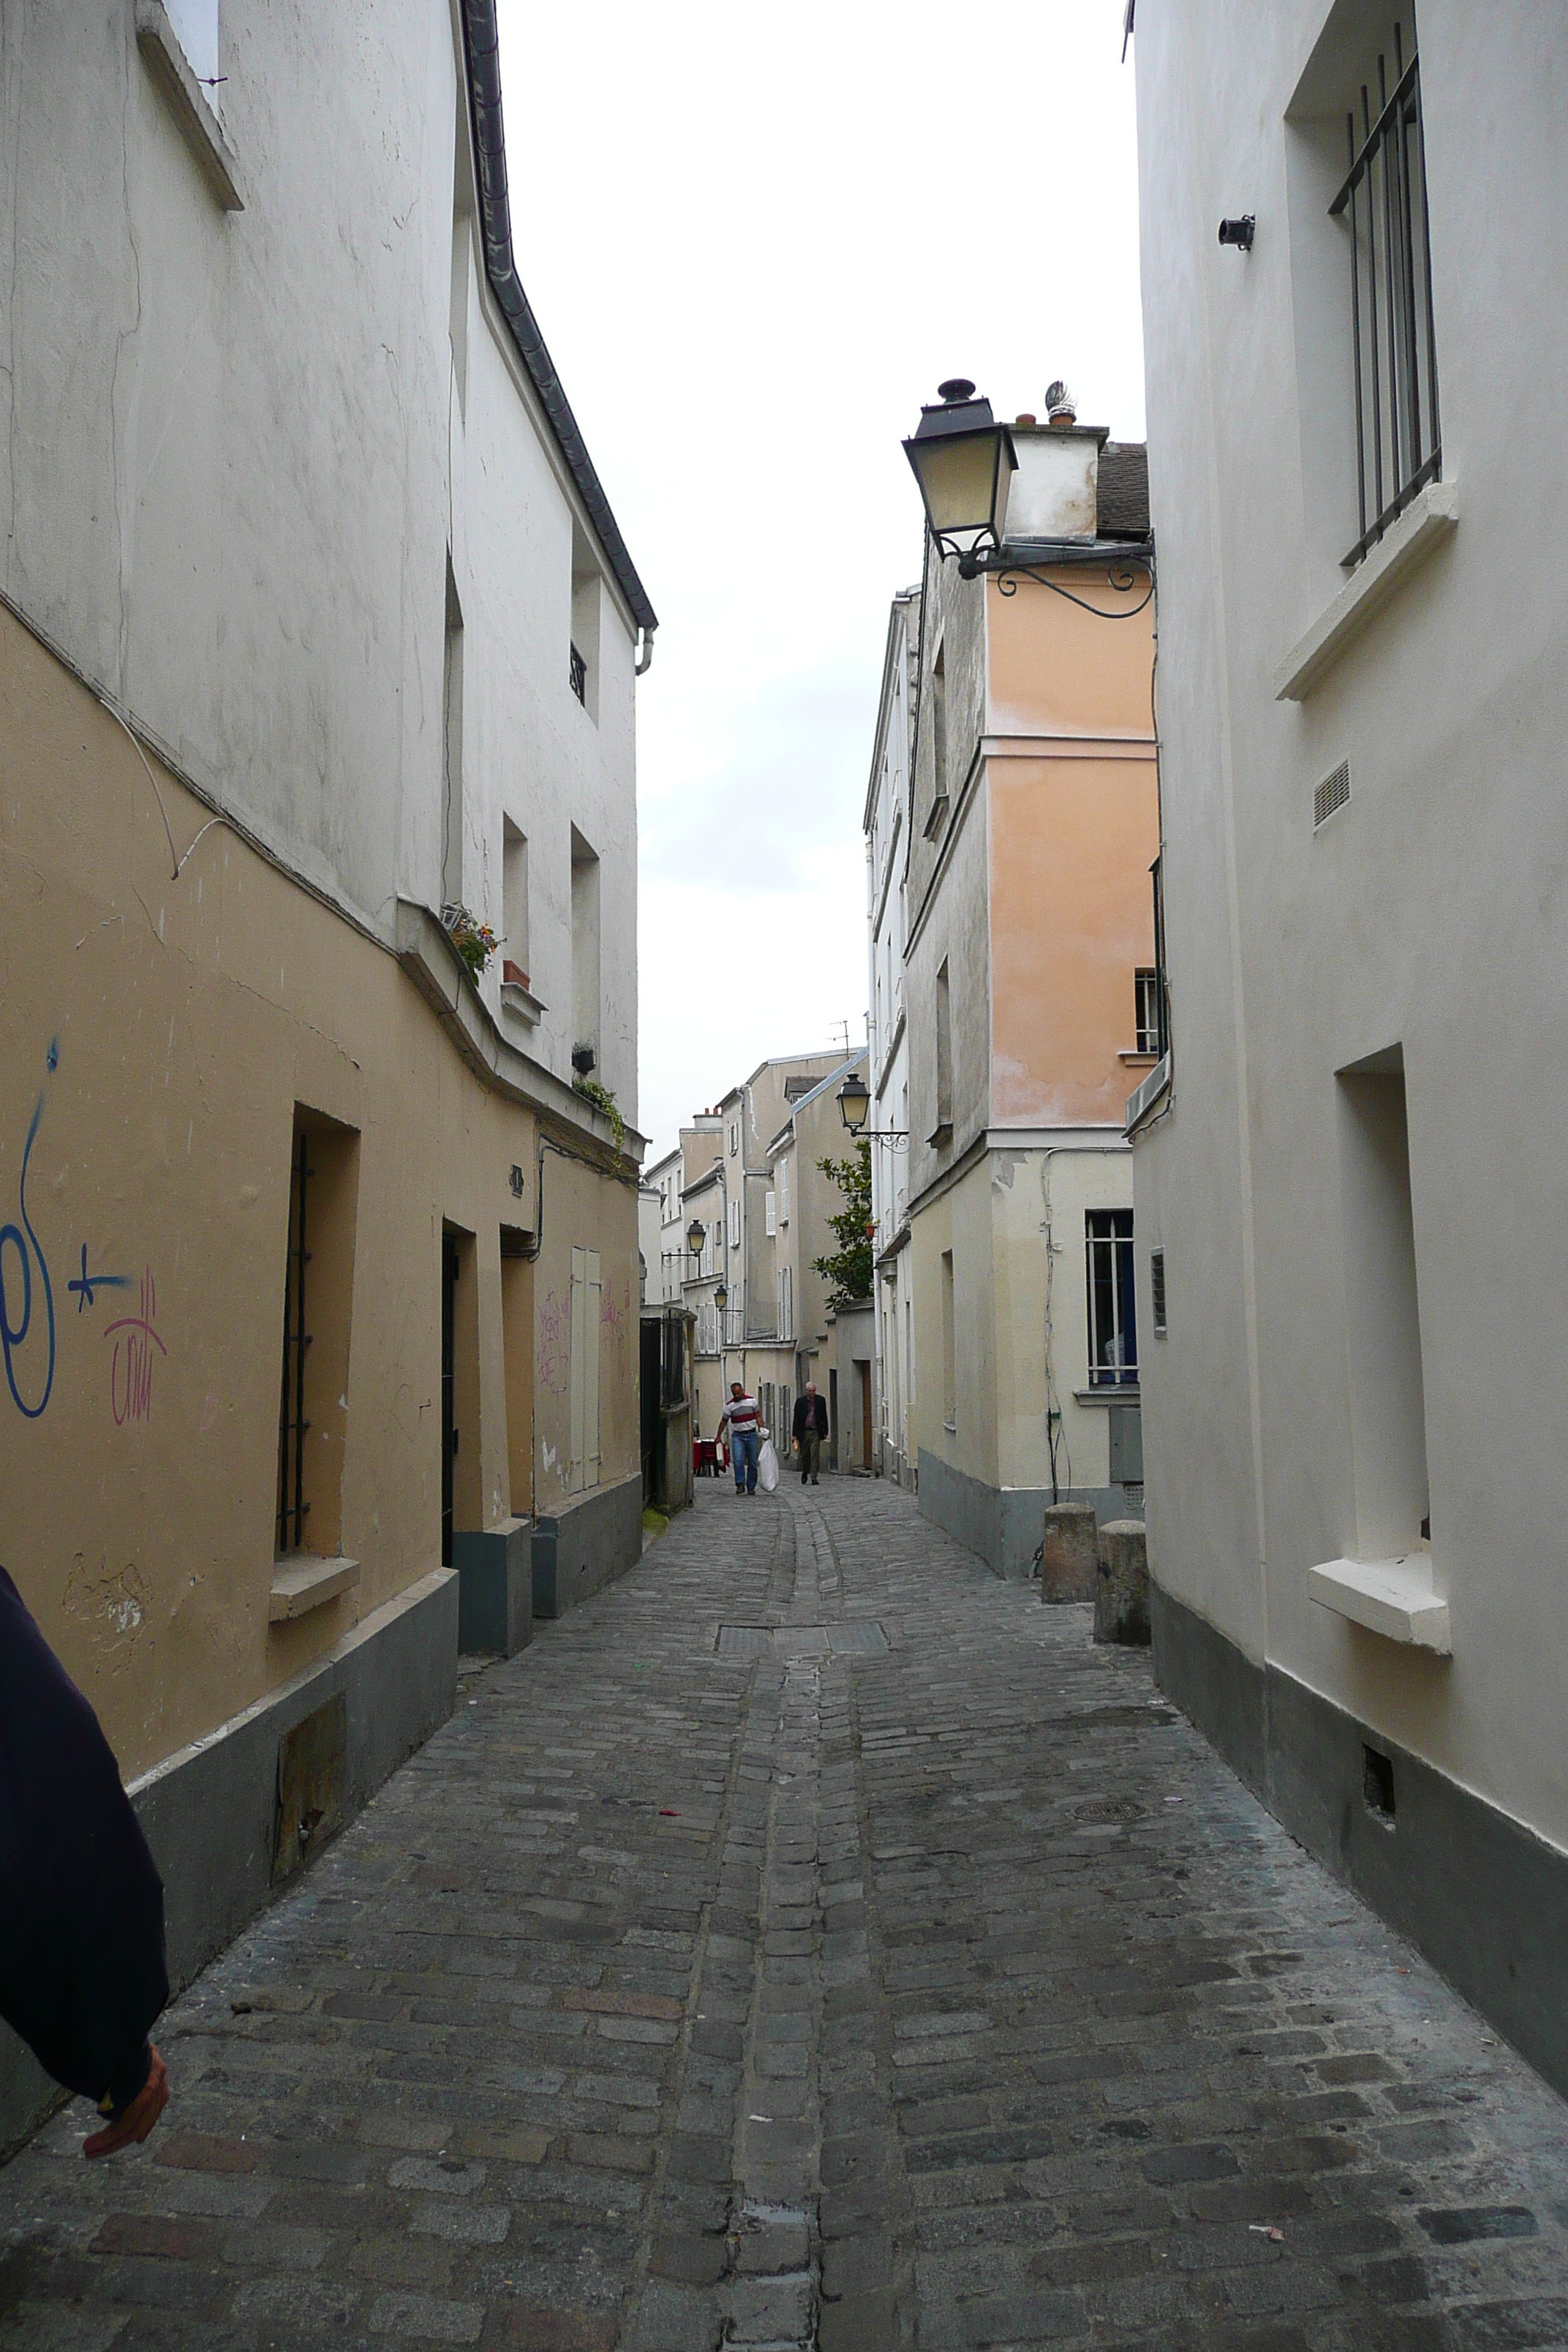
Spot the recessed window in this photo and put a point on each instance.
(1146, 1010)
(584, 952)
(1157, 1290)
(943, 1050)
(452, 749)
(318, 1298)
(1388, 1416)
(1112, 1316)
(1383, 206)
(949, 1346)
(514, 904)
(582, 653)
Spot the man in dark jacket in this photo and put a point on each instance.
(81, 1906)
(810, 1429)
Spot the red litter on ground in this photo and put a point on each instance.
(668, 1813)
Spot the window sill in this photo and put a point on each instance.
(188, 102)
(1135, 1055)
(1107, 1396)
(1427, 523)
(1141, 1103)
(1391, 1597)
(938, 818)
(303, 1583)
(522, 1001)
(940, 1134)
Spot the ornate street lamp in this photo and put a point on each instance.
(696, 1235)
(721, 1295)
(854, 1103)
(964, 462)
(855, 1109)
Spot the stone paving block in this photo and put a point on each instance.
(1036, 2049)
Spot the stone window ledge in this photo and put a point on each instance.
(1107, 1396)
(1391, 1597)
(522, 1001)
(303, 1583)
(187, 102)
(1427, 523)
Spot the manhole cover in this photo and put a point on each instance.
(862, 1638)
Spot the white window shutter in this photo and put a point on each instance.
(771, 1213)
(579, 1370)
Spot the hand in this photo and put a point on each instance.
(139, 2117)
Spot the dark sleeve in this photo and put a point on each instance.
(82, 1976)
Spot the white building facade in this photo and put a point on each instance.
(1348, 1165)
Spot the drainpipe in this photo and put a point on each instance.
(645, 658)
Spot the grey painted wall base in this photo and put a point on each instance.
(598, 1539)
(210, 1812)
(1482, 1896)
(1003, 1524)
(495, 1588)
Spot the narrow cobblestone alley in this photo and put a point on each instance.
(811, 1941)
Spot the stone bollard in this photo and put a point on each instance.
(1067, 1555)
(1122, 1583)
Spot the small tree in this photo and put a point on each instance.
(848, 1267)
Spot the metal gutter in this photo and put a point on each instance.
(481, 44)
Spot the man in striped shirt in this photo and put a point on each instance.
(744, 1420)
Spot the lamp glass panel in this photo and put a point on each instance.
(956, 475)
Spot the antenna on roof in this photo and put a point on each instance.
(844, 1026)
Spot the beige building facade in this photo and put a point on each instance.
(319, 1277)
(1023, 851)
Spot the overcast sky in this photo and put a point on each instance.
(756, 241)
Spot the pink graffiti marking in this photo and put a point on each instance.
(130, 1373)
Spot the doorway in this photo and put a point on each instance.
(863, 1373)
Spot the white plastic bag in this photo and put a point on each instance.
(767, 1466)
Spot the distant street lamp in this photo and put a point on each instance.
(721, 1295)
(696, 1235)
(964, 462)
(855, 1109)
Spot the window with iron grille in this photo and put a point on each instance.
(1112, 1316)
(579, 677)
(1146, 1007)
(1157, 1289)
(288, 1534)
(1383, 207)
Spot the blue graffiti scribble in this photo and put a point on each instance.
(85, 1284)
(12, 1335)
(52, 1058)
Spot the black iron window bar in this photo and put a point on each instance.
(579, 678)
(1398, 441)
(293, 1507)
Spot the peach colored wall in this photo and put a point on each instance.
(1072, 834)
(157, 1037)
(1056, 668)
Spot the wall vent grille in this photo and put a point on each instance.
(1157, 1288)
(1332, 795)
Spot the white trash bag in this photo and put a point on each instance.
(767, 1464)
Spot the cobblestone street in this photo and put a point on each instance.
(811, 1941)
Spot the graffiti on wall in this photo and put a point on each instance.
(27, 1333)
(25, 1290)
(131, 1374)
